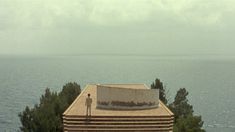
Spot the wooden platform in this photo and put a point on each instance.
(156, 119)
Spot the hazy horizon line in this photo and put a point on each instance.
(122, 54)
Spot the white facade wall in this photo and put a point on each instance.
(149, 98)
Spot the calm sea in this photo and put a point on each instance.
(210, 81)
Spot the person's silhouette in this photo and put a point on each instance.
(88, 105)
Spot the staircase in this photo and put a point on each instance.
(118, 123)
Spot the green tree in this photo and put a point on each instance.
(185, 121)
(26, 118)
(162, 90)
(189, 123)
(47, 115)
(180, 106)
(70, 91)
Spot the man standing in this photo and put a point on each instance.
(88, 105)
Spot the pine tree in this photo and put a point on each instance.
(185, 121)
(180, 107)
(47, 115)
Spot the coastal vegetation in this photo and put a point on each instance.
(184, 119)
(47, 115)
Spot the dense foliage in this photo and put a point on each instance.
(189, 123)
(180, 107)
(47, 115)
(185, 121)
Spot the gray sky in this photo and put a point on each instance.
(117, 26)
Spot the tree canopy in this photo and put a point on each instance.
(180, 107)
(47, 115)
(185, 120)
(189, 123)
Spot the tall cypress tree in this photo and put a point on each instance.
(159, 85)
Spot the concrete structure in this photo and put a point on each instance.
(118, 97)
(119, 107)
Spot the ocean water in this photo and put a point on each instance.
(210, 81)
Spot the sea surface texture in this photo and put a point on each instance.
(210, 81)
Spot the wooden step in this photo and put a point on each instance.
(117, 126)
(117, 122)
(105, 116)
(119, 129)
(118, 119)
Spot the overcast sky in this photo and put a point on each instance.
(117, 26)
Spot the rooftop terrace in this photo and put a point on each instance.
(157, 119)
(78, 107)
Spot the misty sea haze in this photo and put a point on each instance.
(209, 80)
